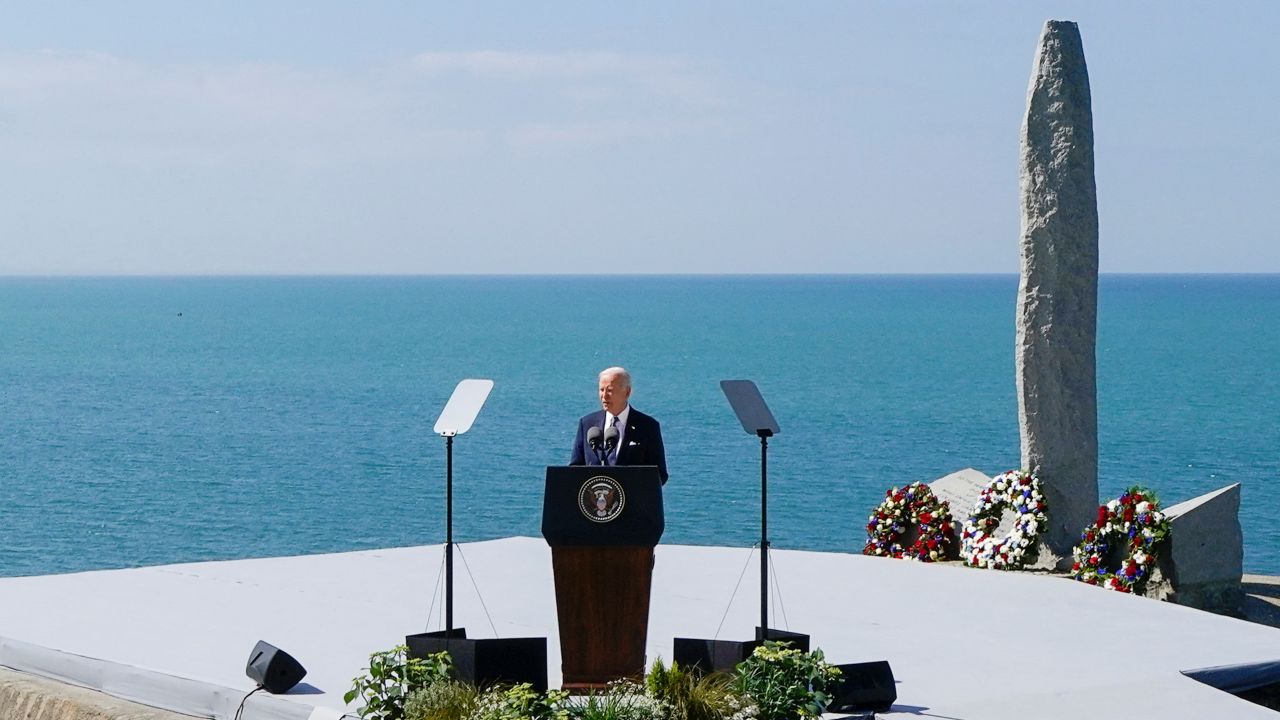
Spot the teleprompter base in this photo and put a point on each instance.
(723, 655)
(486, 661)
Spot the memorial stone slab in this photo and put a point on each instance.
(960, 490)
(1205, 555)
(1058, 292)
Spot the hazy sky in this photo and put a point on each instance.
(542, 137)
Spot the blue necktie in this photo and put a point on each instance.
(612, 458)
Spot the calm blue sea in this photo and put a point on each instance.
(171, 419)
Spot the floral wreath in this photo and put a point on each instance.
(916, 505)
(1019, 491)
(1133, 519)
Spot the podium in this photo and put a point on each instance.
(602, 524)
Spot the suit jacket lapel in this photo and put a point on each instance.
(597, 420)
(624, 452)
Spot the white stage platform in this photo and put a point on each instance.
(963, 644)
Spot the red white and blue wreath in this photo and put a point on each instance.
(903, 507)
(1016, 490)
(1132, 522)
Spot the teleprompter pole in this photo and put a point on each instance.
(448, 535)
(764, 530)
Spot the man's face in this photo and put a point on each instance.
(613, 394)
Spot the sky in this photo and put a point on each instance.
(291, 137)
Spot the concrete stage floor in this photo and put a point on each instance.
(963, 644)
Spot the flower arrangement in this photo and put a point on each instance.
(1133, 522)
(775, 683)
(621, 700)
(785, 683)
(519, 702)
(915, 505)
(1016, 490)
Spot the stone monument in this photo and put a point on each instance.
(1058, 293)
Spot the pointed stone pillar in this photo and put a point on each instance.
(1058, 293)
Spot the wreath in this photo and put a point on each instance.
(1133, 522)
(1016, 490)
(915, 505)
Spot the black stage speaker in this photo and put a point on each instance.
(864, 686)
(273, 669)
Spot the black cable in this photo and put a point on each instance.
(245, 699)
(435, 593)
(467, 565)
(735, 589)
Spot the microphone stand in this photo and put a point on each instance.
(594, 442)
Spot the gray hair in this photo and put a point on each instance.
(619, 372)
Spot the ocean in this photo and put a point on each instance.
(159, 420)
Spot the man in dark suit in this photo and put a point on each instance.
(639, 436)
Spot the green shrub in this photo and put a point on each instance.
(693, 696)
(775, 683)
(443, 700)
(786, 683)
(520, 702)
(391, 676)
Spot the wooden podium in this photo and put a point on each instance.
(602, 524)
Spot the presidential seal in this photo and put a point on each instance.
(601, 499)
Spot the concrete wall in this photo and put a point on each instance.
(28, 697)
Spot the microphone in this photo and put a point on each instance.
(593, 439)
(610, 439)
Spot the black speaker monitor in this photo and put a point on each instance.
(864, 686)
(273, 669)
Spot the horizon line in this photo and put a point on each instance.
(691, 275)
